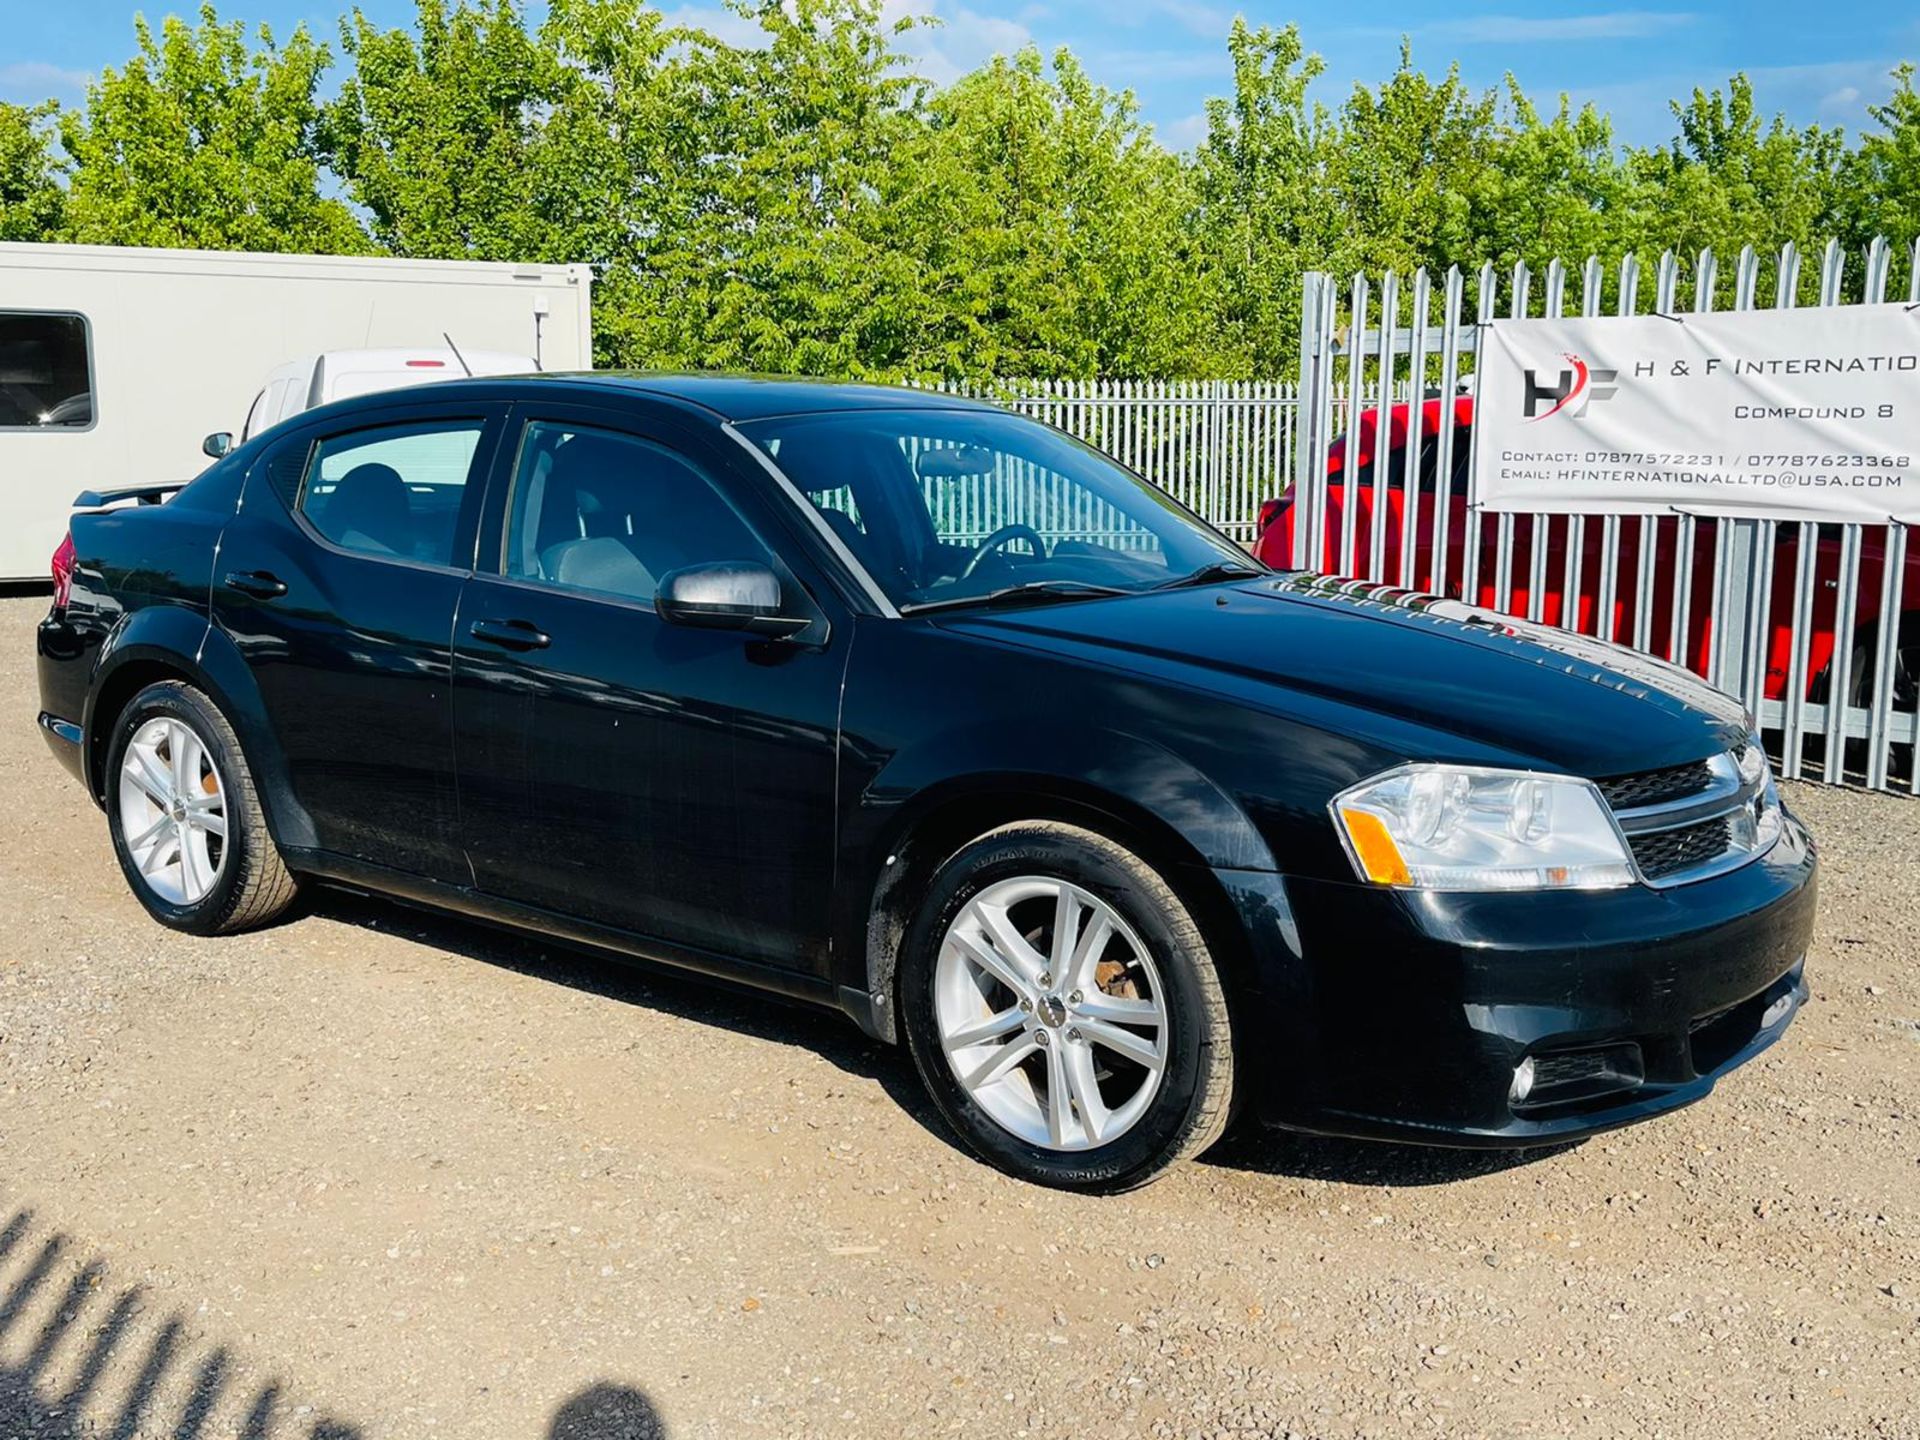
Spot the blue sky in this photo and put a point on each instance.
(1815, 62)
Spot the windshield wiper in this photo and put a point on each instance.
(1031, 592)
(1212, 574)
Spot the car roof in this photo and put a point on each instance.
(727, 397)
(758, 397)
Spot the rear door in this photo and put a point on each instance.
(663, 781)
(338, 579)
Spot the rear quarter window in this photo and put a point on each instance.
(394, 491)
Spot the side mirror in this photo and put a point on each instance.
(217, 445)
(726, 595)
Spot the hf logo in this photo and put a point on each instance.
(1568, 390)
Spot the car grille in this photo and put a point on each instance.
(1657, 787)
(1664, 853)
(1687, 822)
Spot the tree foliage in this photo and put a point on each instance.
(790, 196)
(31, 200)
(202, 141)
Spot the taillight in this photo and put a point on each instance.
(63, 573)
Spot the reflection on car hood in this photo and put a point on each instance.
(1562, 700)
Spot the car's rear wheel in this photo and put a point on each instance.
(1064, 1011)
(186, 820)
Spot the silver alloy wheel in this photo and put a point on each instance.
(1051, 1013)
(173, 810)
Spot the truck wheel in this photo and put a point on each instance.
(186, 821)
(1064, 1012)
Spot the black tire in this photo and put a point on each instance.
(1192, 1105)
(252, 885)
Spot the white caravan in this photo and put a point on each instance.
(116, 364)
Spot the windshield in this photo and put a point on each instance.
(943, 506)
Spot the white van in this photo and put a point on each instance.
(313, 381)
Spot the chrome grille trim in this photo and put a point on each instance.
(1725, 798)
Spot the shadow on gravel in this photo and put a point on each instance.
(93, 1340)
(1361, 1162)
(607, 1412)
(830, 1035)
(706, 1001)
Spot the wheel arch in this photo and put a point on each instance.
(170, 642)
(942, 819)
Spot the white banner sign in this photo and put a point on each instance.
(1808, 414)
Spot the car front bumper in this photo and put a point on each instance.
(1406, 1015)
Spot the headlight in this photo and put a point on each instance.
(1760, 824)
(1453, 827)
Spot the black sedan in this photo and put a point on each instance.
(905, 705)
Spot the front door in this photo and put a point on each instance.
(338, 579)
(663, 781)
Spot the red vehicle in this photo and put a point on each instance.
(1351, 481)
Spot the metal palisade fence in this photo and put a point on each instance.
(1220, 447)
(1815, 626)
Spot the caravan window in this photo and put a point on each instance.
(46, 371)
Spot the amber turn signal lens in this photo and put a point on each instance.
(1379, 857)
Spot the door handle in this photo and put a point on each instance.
(513, 634)
(261, 584)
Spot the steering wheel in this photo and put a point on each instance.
(1000, 537)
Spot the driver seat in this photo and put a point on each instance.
(873, 468)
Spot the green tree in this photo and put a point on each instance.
(201, 141)
(31, 200)
(1409, 159)
(1881, 180)
(1053, 232)
(618, 178)
(435, 133)
(1552, 187)
(473, 138)
(786, 260)
(1729, 179)
(803, 202)
(1263, 212)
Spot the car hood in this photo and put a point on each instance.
(1294, 643)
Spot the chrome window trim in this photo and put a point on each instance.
(868, 586)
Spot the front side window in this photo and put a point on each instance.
(46, 371)
(392, 491)
(611, 513)
(943, 505)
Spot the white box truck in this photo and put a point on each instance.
(116, 364)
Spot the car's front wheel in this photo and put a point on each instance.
(1064, 1011)
(186, 820)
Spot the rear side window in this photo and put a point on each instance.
(393, 491)
(598, 510)
(46, 371)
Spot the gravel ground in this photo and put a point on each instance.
(373, 1173)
